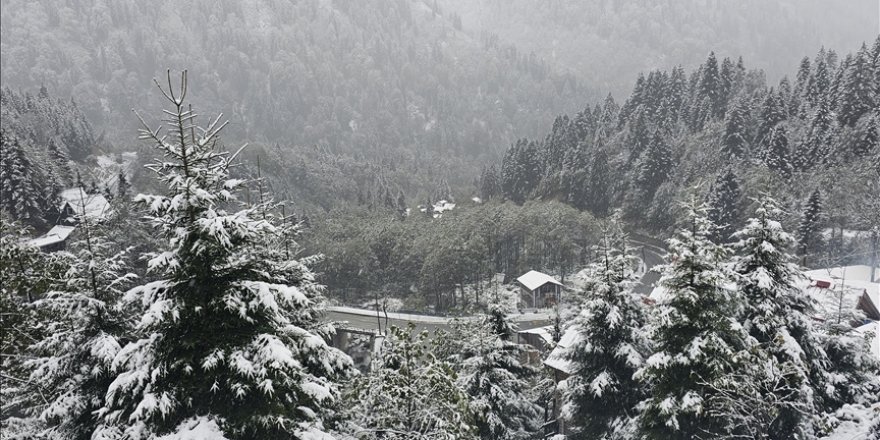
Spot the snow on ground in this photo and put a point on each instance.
(109, 165)
(854, 422)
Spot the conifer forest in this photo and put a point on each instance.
(440, 220)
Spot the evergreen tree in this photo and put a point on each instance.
(733, 142)
(724, 205)
(856, 89)
(230, 339)
(638, 137)
(27, 275)
(23, 193)
(408, 394)
(696, 337)
(778, 157)
(601, 395)
(779, 317)
(655, 167)
(808, 230)
(867, 136)
(73, 362)
(771, 115)
(490, 186)
(815, 148)
(600, 185)
(711, 87)
(61, 160)
(499, 385)
(520, 171)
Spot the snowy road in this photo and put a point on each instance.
(366, 320)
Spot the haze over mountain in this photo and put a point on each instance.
(607, 41)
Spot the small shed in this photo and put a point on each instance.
(539, 290)
(54, 240)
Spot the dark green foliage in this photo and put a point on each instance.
(810, 224)
(696, 338)
(22, 183)
(724, 206)
(856, 90)
(520, 171)
(734, 142)
(601, 394)
(778, 156)
(655, 166)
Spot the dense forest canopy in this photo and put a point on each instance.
(393, 84)
(441, 224)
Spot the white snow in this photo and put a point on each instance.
(534, 279)
(90, 206)
(55, 235)
(198, 428)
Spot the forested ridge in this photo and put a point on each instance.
(367, 88)
(722, 130)
(393, 156)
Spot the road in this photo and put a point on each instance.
(365, 320)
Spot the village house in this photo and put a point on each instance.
(539, 290)
(76, 203)
(54, 240)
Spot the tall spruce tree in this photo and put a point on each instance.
(84, 330)
(230, 340)
(733, 142)
(23, 194)
(724, 204)
(655, 166)
(696, 338)
(857, 94)
(601, 395)
(778, 315)
(499, 384)
(777, 157)
(808, 230)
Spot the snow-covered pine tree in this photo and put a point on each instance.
(499, 385)
(696, 338)
(601, 396)
(23, 195)
(777, 316)
(733, 142)
(856, 94)
(655, 166)
(814, 150)
(230, 339)
(27, 275)
(408, 394)
(83, 332)
(778, 157)
(808, 230)
(724, 205)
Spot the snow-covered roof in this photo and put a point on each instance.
(534, 279)
(557, 358)
(874, 343)
(55, 235)
(545, 333)
(91, 206)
